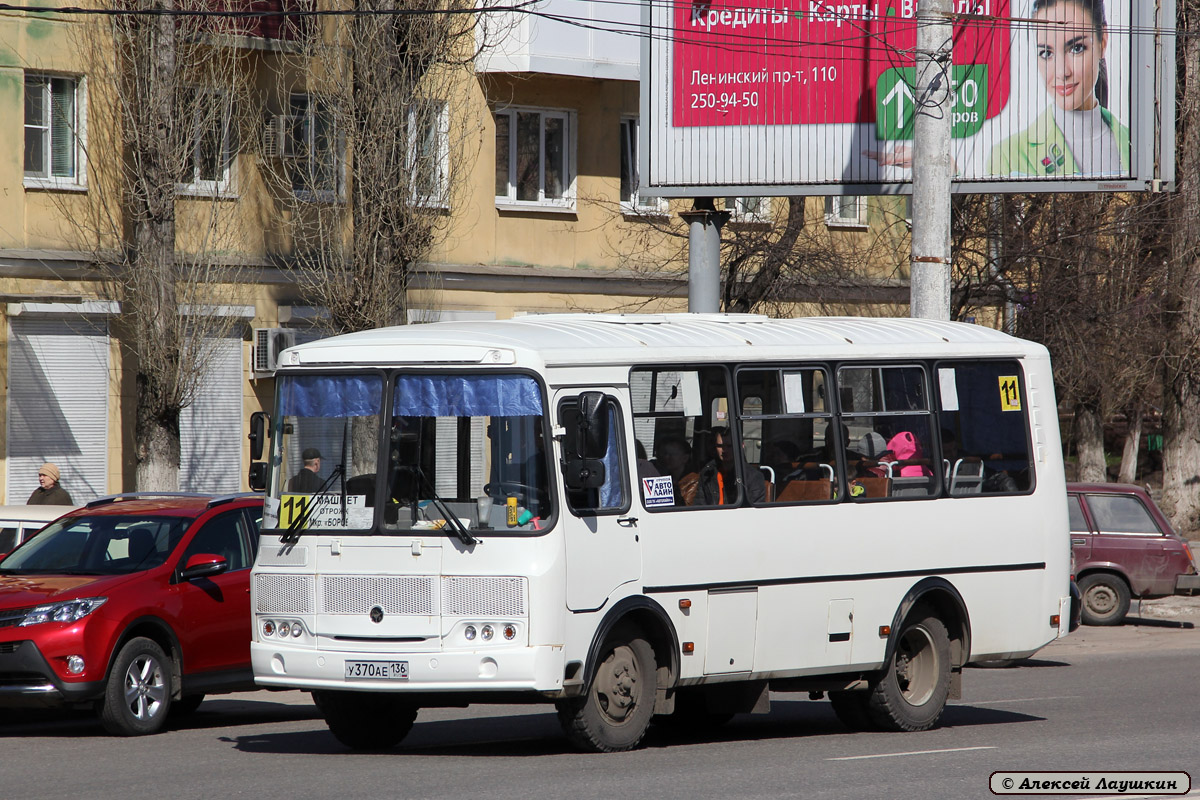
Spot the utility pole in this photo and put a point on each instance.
(704, 255)
(933, 164)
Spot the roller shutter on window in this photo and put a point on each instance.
(210, 429)
(58, 390)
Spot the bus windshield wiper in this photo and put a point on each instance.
(452, 519)
(292, 535)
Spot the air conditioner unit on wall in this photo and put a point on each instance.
(268, 344)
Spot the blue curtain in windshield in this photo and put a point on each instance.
(467, 396)
(330, 396)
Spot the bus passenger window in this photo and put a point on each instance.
(984, 428)
(675, 410)
(885, 409)
(799, 452)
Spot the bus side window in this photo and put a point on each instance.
(984, 428)
(612, 495)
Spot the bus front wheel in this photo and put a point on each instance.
(366, 720)
(615, 712)
(912, 693)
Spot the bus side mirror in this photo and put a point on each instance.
(259, 423)
(592, 426)
(583, 473)
(257, 478)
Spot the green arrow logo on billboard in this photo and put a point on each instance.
(895, 102)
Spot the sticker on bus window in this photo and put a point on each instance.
(1010, 393)
(658, 491)
(793, 393)
(947, 382)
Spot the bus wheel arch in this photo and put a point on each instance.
(928, 645)
(632, 662)
(939, 596)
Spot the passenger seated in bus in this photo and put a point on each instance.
(781, 455)
(717, 484)
(645, 469)
(674, 458)
(908, 456)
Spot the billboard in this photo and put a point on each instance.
(813, 97)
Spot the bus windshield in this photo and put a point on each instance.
(448, 452)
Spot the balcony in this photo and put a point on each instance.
(565, 37)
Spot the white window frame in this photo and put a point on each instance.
(304, 152)
(636, 204)
(749, 209)
(224, 185)
(836, 205)
(78, 181)
(566, 203)
(416, 154)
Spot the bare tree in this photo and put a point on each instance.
(166, 94)
(1181, 367)
(780, 260)
(1089, 284)
(374, 143)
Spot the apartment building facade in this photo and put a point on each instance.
(548, 218)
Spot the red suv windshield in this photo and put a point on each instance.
(98, 545)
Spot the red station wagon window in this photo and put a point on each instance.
(1116, 514)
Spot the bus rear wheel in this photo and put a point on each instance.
(366, 720)
(615, 712)
(911, 695)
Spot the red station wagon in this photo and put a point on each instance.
(134, 605)
(1124, 547)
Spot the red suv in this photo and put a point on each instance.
(1124, 547)
(135, 605)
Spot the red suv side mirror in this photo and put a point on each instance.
(203, 565)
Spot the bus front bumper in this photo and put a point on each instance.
(516, 669)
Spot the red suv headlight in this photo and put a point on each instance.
(65, 611)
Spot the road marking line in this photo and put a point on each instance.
(911, 753)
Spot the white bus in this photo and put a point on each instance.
(660, 518)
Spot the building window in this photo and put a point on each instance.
(428, 153)
(53, 129)
(748, 209)
(632, 201)
(206, 168)
(846, 211)
(533, 157)
(312, 149)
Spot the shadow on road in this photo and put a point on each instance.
(1153, 622)
(539, 735)
(217, 712)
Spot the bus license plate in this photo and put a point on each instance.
(378, 670)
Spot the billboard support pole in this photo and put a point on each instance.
(933, 164)
(704, 255)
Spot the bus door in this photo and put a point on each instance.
(600, 533)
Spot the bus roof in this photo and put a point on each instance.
(556, 340)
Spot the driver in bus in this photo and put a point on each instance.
(307, 481)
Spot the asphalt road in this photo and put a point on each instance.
(1103, 699)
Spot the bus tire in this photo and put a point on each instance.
(911, 694)
(614, 713)
(1105, 599)
(366, 720)
(853, 710)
